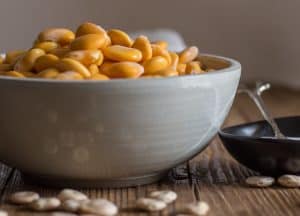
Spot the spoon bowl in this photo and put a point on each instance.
(255, 146)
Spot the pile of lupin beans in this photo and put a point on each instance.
(92, 53)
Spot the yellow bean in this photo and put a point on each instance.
(158, 51)
(99, 76)
(167, 72)
(89, 28)
(188, 55)
(45, 61)
(174, 60)
(13, 56)
(142, 43)
(193, 68)
(60, 51)
(2, 58)
(14, 74)
(106, 65)
(107, 41)
(46, 46)
(100, 60)
(119, 37)
(28, 74)
(86, 57)
(181, 68)
(58, 35)
(5, 67)
(68, 64)
(150, 76)
(162, 44)
(69, 75)
(93, 68)
(155, 64)
(26, 63)
(89, 42)
(121, 53)
(124, 69)
(49, 73)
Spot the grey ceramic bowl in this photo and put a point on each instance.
(112, 133)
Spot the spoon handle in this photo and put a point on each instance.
(255, 95)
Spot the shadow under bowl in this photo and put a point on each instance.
(255, 146)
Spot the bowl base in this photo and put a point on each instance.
(92, 183)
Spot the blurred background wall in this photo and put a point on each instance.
(263, 35)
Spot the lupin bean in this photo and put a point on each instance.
(122, 53)
(26, 63)
(86, 57)
(89, 28)
(68, 64)
(124, 70)
(193, 67)
(88, 42)
(189, 54)
(45, 61)
(143, 44)
(119, 37)
(47, 46)
(58, 35)
(158, 51)
(69, 75)
(13, 56)
(162, 44)
(155, 64)
(49, 73)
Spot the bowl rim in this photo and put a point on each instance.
(234, 65)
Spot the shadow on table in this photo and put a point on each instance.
(214, 171)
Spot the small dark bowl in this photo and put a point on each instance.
(254, 146)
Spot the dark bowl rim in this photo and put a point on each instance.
(224, 131)
(234, 66)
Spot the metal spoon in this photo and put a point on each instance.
(255, 94)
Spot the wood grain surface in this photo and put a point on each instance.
(212, 176)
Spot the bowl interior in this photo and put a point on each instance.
(214, 62)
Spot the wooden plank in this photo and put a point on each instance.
(5, 175)
(212, 176)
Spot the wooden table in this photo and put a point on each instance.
(212, 176)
